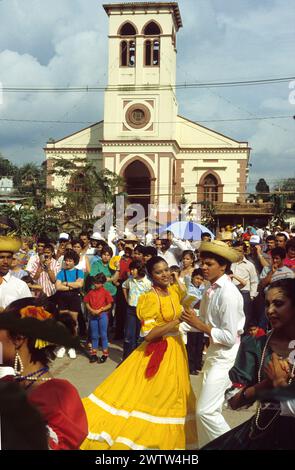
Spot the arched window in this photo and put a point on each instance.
(127, 53)
(127, 29)
(152, 46)
(152, 52)
(152, 29)
(127, 47)
(210, 189)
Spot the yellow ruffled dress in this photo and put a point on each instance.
(129, 411)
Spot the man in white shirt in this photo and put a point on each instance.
(41, 242)
(172, 248)
(246, 280)
(222, 319)
(44, 270)
(11, 288)
(260, 233)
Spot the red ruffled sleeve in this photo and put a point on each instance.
(61, 407)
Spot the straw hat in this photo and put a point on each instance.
(130, 237)
(9, 244)
(220, 248)
(226, 235)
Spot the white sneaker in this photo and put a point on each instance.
(60, 352)
(72, 353)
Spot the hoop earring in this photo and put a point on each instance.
(18, 364)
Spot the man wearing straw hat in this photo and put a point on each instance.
(222, 319)
(11, 288)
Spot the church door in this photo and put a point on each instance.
(138, 184)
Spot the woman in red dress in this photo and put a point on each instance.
(29, 335)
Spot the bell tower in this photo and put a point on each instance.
(140, 101)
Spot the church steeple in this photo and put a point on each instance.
(140, 97)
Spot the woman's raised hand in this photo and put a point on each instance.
(278, 371)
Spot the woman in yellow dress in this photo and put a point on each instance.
(148, 401)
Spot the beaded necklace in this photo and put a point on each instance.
(160, 305)
(255, 421)
(34, 376)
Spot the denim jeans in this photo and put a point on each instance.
(131, 332)
(99, 329)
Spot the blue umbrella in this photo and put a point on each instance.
(186, 230)
(253, 231)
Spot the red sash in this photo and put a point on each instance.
(156, 349)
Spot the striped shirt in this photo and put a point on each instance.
(44, 279)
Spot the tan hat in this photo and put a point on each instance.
(9, 244)
(226, 235)
(130, 237)
(220, 248)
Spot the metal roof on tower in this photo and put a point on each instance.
(145, 6)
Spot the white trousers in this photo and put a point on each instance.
(210, 422)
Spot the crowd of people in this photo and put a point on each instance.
(220, 308)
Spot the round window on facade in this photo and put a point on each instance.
(138, 116)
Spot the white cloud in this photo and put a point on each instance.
(64, 43)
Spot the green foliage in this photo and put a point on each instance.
(287, 187)
(86, 187)
(32, 222)
(183, 200)
(6, 167)
(29, 180)
(262, 190)
(279, 209)
(208, 215)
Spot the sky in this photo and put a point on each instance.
(63, 43)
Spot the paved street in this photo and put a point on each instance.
(86, 377)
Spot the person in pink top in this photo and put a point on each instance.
(289, 261)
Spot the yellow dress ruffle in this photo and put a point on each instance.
(129, 411)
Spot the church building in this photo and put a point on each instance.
(161, 154)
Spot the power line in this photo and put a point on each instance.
(46, 121)
(146, 87)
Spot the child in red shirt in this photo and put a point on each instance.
(98, 301)
(255, 331)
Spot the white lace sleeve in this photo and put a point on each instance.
(288, 408)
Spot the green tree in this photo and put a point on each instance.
(279, 209)
(30, 222)
(286, 186)
(30, 181)
(86, 186)
(262, 190)
(208, 215)
(6, 167)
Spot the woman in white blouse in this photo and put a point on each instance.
(84, 263)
